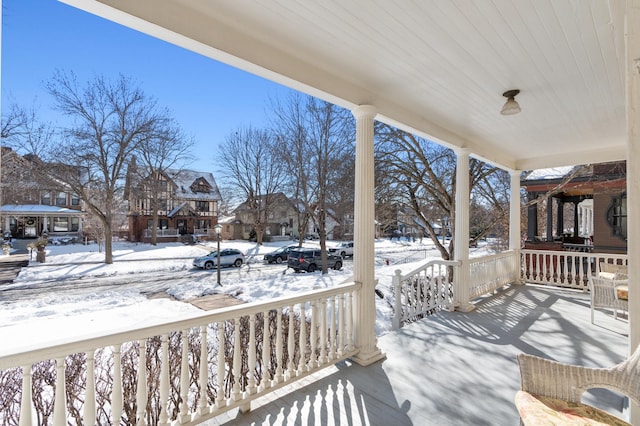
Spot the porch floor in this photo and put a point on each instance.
(453, 368)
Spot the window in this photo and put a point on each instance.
(202, 206)
(617, 216)
(75, 224)
(61, 199)
(60, 224)
(204, 224)
(75, 200)
(45, 198)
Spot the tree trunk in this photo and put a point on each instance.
(108, 243)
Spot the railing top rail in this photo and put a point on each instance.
(427, 265)
(573, 253)
(33, 352)
(491, 257)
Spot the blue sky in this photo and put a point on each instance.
(209, 99)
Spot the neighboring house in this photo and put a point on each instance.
(590, 209)
(187, 203)
(333, 227)
(281, 222)
(34, 204)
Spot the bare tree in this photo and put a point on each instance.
(422, 176)
(250, 166)
(110, 120)
(167, 147)
(292, 134)
(319, 140)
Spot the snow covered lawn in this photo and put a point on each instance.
(57, 315)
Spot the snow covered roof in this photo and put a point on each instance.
(38, 210)
(551, 173)
(184, 180)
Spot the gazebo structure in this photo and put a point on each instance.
(440, 70)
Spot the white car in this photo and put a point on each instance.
(344, 249)
(228, 257)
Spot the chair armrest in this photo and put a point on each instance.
(544, 377)
(540, 376)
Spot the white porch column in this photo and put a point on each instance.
(633, 177)
(45, 224)
(363, 233)
(515, 239)
(461, 243)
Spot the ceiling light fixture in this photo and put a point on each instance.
(511, 106)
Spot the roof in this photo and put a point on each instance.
(184, 179)
(38, 210)
(552, 173)
(435, 68)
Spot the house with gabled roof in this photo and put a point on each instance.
(580, 205)
(34, 204)
(281, 217)
(187, 203)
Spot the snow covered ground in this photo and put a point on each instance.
(54, 316)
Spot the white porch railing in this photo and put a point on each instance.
(208, 232)
(170, 232)
(423, 291)
(564, 268)
(489, 273)
(195, 368)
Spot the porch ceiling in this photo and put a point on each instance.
(432, 67)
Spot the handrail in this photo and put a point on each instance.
(424, 290)
(489, 273)
(238, 352)
(564, 268)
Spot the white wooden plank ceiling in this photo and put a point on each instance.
(436, 68)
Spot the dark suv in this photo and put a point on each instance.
(311, 259)
(279, 255)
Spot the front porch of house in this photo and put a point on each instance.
(454, 368)
(291, 359)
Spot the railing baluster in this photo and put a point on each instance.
(116, 393)
(164, 380)
(332, 328)
(60, 405)
(184, 415)
(323, 332)
(341, 323)
(221, 399)
(90, 393)
(302, 364)
(141, 396)
(265, 381)
(203, 404)
(251, 384)
(350, 335)
(237, 360)
(291, 345)
(26, 401)
(279, 371)
(313, 338)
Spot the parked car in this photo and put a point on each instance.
(344, 249)
(279, 255)
(308, 259)
(228, 257)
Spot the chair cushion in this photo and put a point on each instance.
(622, 292)
(607, 275)
(541, 410)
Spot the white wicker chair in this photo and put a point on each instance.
(541, 377)
(603, 295)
